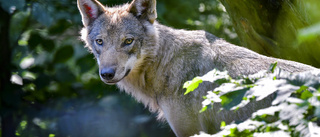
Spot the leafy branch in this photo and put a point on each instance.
(295, 109)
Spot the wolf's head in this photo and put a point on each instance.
(121, 38)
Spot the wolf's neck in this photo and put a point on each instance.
(183, 44)
(168, 43)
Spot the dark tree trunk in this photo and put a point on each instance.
(271, 27)
(7, 120)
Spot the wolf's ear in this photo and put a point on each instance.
(90, 10)
(144, 9)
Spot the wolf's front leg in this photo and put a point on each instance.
(181, 117)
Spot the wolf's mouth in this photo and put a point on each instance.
(114, 82)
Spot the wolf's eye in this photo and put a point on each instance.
(128, 41)
(99, 41)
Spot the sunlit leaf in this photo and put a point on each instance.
(16, 79)
(40, 123)
(314, 129)
(273, 134)
(27, 62)
(306, 94)
(216, 76)
(28, 75)
(30, 87)
(223, 124)
(23, 43)
(203, 109)
(294, 117)
(268, 111)
(23, 124)
(302, 88)
(284, 92)
(272, 67)
(265, 87)
(192, 85)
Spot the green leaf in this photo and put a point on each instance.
(63, 54)
(223, 124)
(59, 27)
(23, 124)
(65, 75)
(203, 109)
(43, 81)
(26, 62)
(233, 131)
(20, 18)
(233, 98)
(48, 45)
(86, 63)
(22, 42)
(301, 89)
(192, 85)
(306, 94)
(34, 40)
(273, 67)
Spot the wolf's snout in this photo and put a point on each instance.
(107, 73)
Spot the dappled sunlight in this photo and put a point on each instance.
(16, 79)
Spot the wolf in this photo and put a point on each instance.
(151, 62)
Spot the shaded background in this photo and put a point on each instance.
(50, 84)
(55, 89)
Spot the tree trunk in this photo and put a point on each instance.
(7, 120)
(273, 27)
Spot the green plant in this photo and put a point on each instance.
(295, 109)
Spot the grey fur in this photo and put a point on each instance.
(161, 59)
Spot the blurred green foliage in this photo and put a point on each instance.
(55, 89)
(287, 29)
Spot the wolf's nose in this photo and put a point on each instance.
(107, 73)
